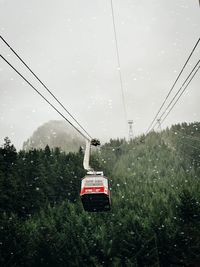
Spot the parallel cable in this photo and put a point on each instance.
(49, 91)
(173, 85)
(43, 97)
(118, 60)
(195, 147)
(188, 139)
(181, 94)
(188, 144)
(177, 93)
(187, 136)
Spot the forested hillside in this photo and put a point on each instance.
(55, 133)
(155, 215)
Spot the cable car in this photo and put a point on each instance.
(95, 193)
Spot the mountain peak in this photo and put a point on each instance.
(55, 133)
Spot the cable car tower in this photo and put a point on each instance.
(130, 123)
(159, 124)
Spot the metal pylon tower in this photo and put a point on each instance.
(159, 124)
(130, 123)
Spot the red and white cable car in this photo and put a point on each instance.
(95, 193)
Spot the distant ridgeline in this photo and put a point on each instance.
(55, 134)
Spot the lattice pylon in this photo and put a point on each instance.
(130, 135)
(159, 124)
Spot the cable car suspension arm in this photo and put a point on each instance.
(86, 160)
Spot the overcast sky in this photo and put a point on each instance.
(70, 46)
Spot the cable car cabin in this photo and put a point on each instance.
(95, 194)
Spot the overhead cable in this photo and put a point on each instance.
(118, 61)
(49, 91)
(168, 106)
(173, 86)
(181, 94)
(189, 137)
(44, 97)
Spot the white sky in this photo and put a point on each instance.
(70, 46)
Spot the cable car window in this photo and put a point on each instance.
(93, 182)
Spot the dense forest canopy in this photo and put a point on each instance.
(155, 216)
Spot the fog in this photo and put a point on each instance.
(70, 45)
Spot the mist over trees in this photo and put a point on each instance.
(155, 215)
(55, 133)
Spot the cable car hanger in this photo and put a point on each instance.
(95, 193)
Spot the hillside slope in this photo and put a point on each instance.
(55, 134)
(155, 216)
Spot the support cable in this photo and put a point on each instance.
(118, 60)
(171, 102)
(173, 86)
(187, 136)
(49, 91)
(44, 97)
(181, 94)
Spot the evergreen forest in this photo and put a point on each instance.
(155, 214)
